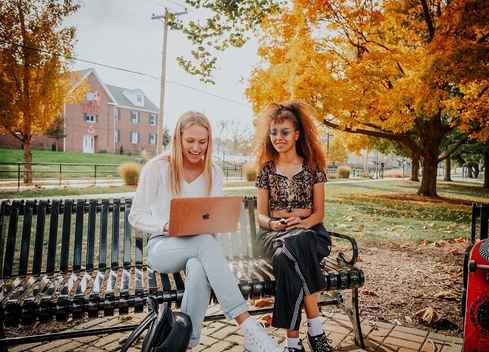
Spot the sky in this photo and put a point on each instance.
(122, 42)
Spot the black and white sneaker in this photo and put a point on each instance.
(319, 343)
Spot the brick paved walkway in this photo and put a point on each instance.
(226, 336)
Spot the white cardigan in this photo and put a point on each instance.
(150, 209)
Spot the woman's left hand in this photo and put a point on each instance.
(294, 222)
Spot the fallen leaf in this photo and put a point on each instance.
(453, 251)
(266, 320)
(264, 302)
(428, 315)
(447, 295)
(369, 292)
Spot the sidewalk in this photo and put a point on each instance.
(226, 336)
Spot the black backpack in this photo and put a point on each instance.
(168, 331)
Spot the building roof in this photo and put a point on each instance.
(116, 94)
(122, 101)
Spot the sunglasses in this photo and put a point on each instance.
(284, 132)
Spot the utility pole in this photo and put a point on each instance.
(159, 139)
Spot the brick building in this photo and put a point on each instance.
(111, 119)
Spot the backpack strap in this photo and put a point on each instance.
(143, 325)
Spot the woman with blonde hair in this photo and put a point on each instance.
(187, 170)
(290, 204)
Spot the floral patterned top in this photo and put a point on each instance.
(289, 194)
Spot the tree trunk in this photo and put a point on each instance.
(27, 161)
(428, 179)
(486, 170)
(448, 170)
(415, 168)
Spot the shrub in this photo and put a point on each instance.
(129, 171)
(393, 173)
(365, 175)
(103, 151)
(249, 170)
(344, 172)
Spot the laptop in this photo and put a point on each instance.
(198, 215)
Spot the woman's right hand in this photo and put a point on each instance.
(278, 225)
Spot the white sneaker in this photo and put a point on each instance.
(257, 340)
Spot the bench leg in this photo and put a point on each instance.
(353, 314)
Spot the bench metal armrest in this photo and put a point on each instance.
(354, 248)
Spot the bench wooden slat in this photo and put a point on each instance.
(104, 223)
(65, 236)
(11, 238)
(39, 237)
(53, 236)
(114, 256)
(26, 237)
(90, 241)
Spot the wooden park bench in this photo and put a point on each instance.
(81, 258)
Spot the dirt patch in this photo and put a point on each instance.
(402, 280)
(423, 199)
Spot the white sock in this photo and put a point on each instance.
(314, 326)
(248, 324)
(294, 342)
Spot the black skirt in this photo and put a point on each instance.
(295, 256)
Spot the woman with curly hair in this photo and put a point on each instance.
(290, 205)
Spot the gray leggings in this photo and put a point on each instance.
(205, 267)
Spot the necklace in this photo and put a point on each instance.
(192, 175)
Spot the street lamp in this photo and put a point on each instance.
(159, 139)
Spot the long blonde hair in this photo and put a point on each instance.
(175, 155)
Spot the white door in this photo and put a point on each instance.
(88, 144)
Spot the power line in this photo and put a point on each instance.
(121, 69)
(214, 95)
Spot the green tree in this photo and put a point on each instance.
(166, 137)
(35, 79)
(57, 130)
(227, 24)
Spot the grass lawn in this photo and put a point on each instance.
(389, 211)
(47, 156)
(371, 211)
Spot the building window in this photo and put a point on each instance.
(90, 96)
(152, 119)
(117, 136)
(117, 114)
(135, 116)
(134, 137)
(152, 139)
(139, 99)
(90, 118)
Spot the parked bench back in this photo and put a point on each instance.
(47, 237)
(480, 219)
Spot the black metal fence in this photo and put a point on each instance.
(57, 173)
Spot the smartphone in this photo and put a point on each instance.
(283, 222)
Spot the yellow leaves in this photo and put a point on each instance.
(263, 302)
(367, 291)
(448, 295)
(428, 315)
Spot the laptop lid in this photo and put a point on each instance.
(198, 215)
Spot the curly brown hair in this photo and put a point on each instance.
(302, 116)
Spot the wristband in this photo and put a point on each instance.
(269, 221)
